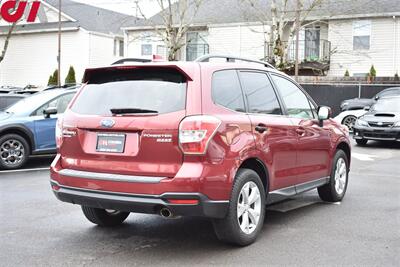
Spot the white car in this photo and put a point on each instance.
(349, 117)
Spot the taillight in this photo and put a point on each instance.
(196, 132)
(59, 132)
(63, 131)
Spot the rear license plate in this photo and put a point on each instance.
(110, 143)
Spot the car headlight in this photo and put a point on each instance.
(362, 123)
(397, 124)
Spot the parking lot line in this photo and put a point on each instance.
(25, 170)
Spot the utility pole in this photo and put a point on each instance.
(296, 70)
(59, 44)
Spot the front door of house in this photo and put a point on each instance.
(312, 44)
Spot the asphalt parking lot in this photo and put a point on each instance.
(363, 230)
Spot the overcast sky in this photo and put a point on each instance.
(149, 7)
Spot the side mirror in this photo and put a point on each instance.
(367, 108)
(50, 111)
(324, 113)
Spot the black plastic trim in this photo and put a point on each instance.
(149, 204)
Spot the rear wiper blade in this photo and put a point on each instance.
(122, 111)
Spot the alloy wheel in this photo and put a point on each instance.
(350, 121)
(340, 176)
(12, 152)
(249, 208)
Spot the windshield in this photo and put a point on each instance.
(387, 105)
(148, 92)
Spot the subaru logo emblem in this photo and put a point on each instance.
(380, 123)
(107, 123)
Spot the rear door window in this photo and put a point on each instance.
(159, 90)
(226, 90)
(260, 94)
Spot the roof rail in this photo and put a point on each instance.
(206, 58)
(122, 61)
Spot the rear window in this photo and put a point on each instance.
(161, 90)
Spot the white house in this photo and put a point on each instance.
(91, 37)
(344, 35)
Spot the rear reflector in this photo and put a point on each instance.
(55, 187)
(183, 201)
(196, 132)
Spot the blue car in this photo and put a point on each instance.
(28, 127)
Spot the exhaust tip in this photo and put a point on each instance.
(165, 213)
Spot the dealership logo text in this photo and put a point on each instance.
(13, 12)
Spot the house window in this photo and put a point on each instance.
(147, 49)
(361, 35)
(121, 48)
(196, 45)
(115, 47)
(161, 50)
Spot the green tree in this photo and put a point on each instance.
(71, 76)
(372, 72)
(396, 77)
(347, 74)
(53, 80)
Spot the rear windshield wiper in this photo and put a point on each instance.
(124, 111)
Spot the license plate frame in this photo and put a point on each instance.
(111, 143)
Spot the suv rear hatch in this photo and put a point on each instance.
(126, 121)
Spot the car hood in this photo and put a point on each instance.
(4, 115)
(382, 117)
(359, 101)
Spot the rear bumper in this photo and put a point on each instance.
(149, 204)
(371, 133)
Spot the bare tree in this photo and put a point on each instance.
(173, 22)
(8, 37)
(279, 16)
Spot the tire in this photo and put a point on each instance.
(14, 151)
(229, 229)
(349, 121)
(361, 142)
(103, 217)
(335, 190)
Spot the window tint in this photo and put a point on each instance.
(259, 93)
(61, 103)
(226, 90)
(297, 103)
(162, 90)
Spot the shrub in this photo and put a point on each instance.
(71, 76)
(396, 77)
(53, 79)
(347, 74)
(372, 72)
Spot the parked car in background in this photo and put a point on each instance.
(7, 100)
(360, 103)
(214, 140)
(28, 127)
(349, 117)
(9, 89)
(382, 122)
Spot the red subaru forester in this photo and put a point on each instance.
(210, 139)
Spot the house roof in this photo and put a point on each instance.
(239, 11)
(81, 15)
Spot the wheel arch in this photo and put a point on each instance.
(346, 148)
(22, 131)
(260, 168)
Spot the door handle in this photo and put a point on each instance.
(301, 131)
(261, 128)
